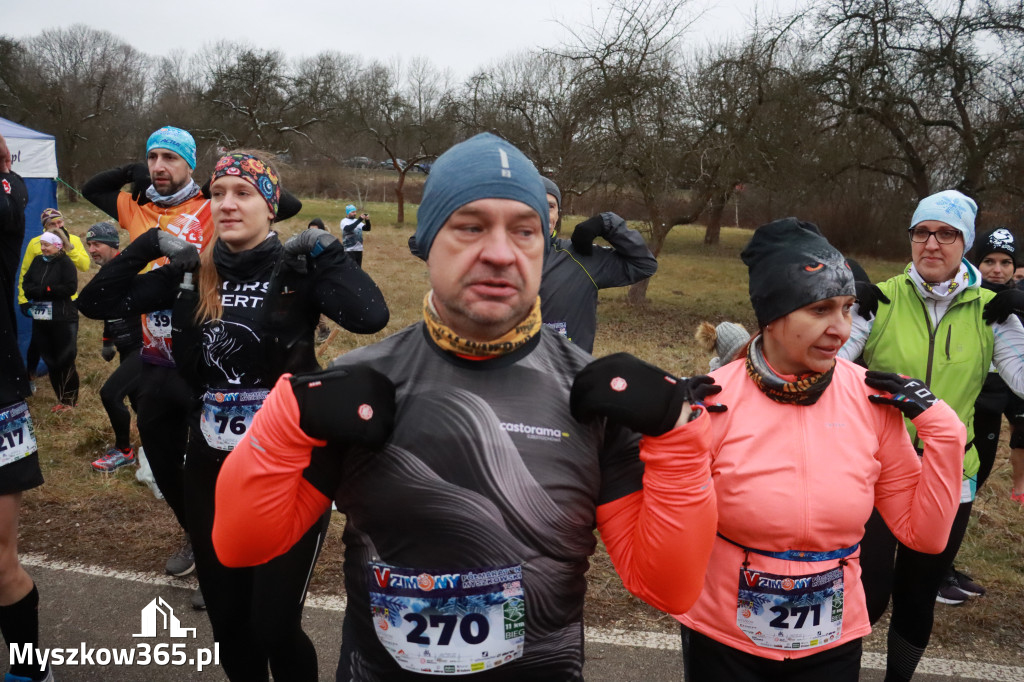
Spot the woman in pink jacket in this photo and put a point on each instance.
(808, 445)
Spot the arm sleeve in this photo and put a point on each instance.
(103, 188)
(78, 255)
(263, 504)
(118, 290)
(346, 294)
(187, 338)
(627, 262)
(660, 538)
(859, 333)
(1008, 352)
(30, 288)
(918, 497)
(31, 251)
(366, 225)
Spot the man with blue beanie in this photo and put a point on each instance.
(352, 227)
(934, 321)
(470, 513)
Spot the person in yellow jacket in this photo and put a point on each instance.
(53, 221)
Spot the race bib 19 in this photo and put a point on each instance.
(17, 434)
(449, 623)
(791, 612)
(227, 415)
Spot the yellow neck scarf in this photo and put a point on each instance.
(447, 339)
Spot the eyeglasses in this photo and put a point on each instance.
(921, 235)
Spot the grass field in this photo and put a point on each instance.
(114, 521)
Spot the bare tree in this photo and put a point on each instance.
(407, 114)
(84, 86)
(942, 83)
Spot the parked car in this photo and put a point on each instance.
(358, 162)
(390, 165)
(423, 167)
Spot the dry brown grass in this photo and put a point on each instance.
(113, 521)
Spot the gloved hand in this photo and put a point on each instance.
(636, 394)
(868, 296)
(25, 309)
(911, 396)
(107, 352)
(1002, 305)
(311, 242)
(138, 176)
(584, 234)
(346, 405)
(178, 251)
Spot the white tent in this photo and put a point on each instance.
(34, 157)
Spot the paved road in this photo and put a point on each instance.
(101, 609)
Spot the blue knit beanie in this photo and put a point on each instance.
(482, 167)
(175, 139)
(551, 188)
(951, 207)
(351, 208)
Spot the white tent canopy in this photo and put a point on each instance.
(34, 154)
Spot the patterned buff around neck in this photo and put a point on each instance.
(447, 339)
(804, 391)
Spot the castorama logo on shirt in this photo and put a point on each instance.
(534, 432)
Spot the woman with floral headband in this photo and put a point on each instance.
(247, 316)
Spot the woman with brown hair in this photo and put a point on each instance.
(249, 317)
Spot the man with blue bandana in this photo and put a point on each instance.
(471, 493)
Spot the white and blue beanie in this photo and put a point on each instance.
(483, 167)
(951, 207)
(175, 139)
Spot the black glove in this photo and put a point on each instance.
(25, 309)
(107, 352)
(178, 251)
(868, 296)
(138, 176)
(311, 242)
(584, 234)
(636, 394)
(346, 405)
(1005, 303)
(911, 396)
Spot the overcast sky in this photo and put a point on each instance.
(456, 34)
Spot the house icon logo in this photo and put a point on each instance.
(158, 615)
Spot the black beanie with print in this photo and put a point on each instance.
(791, 265)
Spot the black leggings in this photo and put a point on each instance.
(164, 403)
(125, 381)
(256, 612)
(708, 660)
(57, 344)
(986, 439)
(913, 580)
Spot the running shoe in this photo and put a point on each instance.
(61, 408)
(967, 584)
(1018, 497)
(18, 678)
(950, 592)
(183, 561)
(114, 459)
(198, 601)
